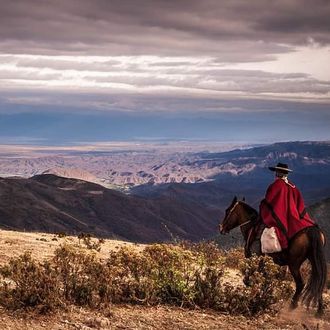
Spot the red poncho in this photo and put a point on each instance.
(284, 209)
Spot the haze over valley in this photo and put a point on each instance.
(118, 164)
(145, 166)
(150, 192)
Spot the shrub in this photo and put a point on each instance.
(188, 275)
(132, 279)
(265, 284)
(208, 286)
(234, 257)
(90, 243)
(172, 272)
(28, 284)
(84, 279)
(61, 234)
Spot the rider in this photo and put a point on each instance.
(283, 206)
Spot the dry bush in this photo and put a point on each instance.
(61, 234)
(90, 242)
(85, 280)
(132, 280)
(265, 284)
(234, 257)
(29, 284)
(188, 275)
(173, 270)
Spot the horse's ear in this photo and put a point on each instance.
(243, 200)
(235, 199)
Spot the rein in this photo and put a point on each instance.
(245, 223)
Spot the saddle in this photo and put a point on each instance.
(253, 245)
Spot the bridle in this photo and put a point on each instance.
(245, 223)
(232, 210)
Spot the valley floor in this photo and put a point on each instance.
(42, 246)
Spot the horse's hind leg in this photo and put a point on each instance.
(320, 308)
(295, 271)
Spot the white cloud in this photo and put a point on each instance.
(312, 60)
(161, 75)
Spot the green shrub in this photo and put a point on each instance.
(172, 271)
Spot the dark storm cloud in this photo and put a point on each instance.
(162, 27)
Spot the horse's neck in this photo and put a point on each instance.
(248, 213)
(245, 230)
(247, 220)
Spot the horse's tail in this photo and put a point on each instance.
(317, 280)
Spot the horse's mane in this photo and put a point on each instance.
(249, 209)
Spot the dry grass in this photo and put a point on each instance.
(42, 247)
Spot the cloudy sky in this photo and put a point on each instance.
(75, 70)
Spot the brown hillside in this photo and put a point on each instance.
(49, 203)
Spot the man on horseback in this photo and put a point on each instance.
(299, 237)
(283, 207)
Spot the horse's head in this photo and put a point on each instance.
(232, 217)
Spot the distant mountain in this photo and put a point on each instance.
(245, 172)
(50, 203)
(74, 173)
(204, 184)
(141, 170)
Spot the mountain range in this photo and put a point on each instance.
(50, 203)
(149, 170)
(245, 172)
(64, 199)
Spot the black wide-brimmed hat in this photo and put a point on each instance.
(280, 167)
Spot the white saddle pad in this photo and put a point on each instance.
(269, 241)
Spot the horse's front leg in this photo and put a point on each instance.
(295, 271)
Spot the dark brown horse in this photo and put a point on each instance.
(307, 244)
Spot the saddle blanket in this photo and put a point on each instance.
(269, 241)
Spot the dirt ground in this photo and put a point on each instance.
(42, 246)
(167, 318)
